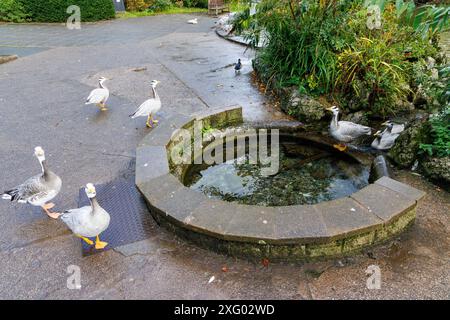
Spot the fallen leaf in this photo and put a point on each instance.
(225, 269)
(265, 262)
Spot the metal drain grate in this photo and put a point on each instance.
(130, 219)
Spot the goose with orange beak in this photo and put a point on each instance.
(38, 190)
(385, 140)
(345, 131)
(149, 107)
(89, 221)
(100, 95)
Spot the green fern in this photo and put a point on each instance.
(440, 134)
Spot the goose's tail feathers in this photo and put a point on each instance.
(367, 131)
(6, 196)
(135, 114)
(10, 194)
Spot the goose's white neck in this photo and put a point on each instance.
(94, 203)
(42, 163)
(100, 83)
(155, 94)
(334, 120)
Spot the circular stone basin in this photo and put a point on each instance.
(308, 174)
(318, 205)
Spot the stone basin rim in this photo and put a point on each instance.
(371, 215)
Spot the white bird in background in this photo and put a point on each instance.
(193, 21)
(89, 221)
(39, 189)
(99, 95)
(149, 107)
(345, 131)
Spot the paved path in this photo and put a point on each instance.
(41, 98)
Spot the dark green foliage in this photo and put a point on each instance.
(444, 89)
(195, 3)
(435, 84)
(426, 20)
(160, 5)
(55, 10)
(440, 135)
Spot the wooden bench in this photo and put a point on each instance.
(218, 6)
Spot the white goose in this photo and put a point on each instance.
(89, 221)
(38, 190)
(149, 107)
(99, 95)
(385, 140)
(397, 127)
(345, 131)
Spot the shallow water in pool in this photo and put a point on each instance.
(306, 175)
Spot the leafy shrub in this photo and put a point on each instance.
(440, 135)
(12, 11)
(426, 20)
(328, 48)
(377, 67)
(55, 10)
(431, 85)
(195, 3)
(160, 5)
(443, 86)
(302, 39)
(438, 142)
(379, 60)
(136, 5)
